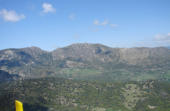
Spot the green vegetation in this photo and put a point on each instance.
(57, 94)
(132, 94)
(86, 77)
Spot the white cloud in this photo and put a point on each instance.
(168, 34)
(95, 30)
(11, 15)
(71, 16)
(104, 23)
(47, 7)
(113, 25)
(160, 37)
(96, 22)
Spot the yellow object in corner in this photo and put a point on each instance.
(18, 105)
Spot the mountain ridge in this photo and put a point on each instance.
(36, 47)
(85, 61)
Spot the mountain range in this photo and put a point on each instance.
(86, 77)
(87, 62)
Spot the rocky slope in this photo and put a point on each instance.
(87, 61)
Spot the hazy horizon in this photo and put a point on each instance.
(84, 43)
(50, 24)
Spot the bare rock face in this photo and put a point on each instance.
(97, 52)
(137, 56)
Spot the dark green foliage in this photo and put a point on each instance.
(59, 94)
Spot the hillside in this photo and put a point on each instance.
(88, 62)
(86, 77)
(56, 94)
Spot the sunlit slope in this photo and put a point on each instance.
(88, 61)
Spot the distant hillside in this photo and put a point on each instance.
(88, 62)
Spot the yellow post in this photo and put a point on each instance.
(18, 105)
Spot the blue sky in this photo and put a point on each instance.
(50, 24)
